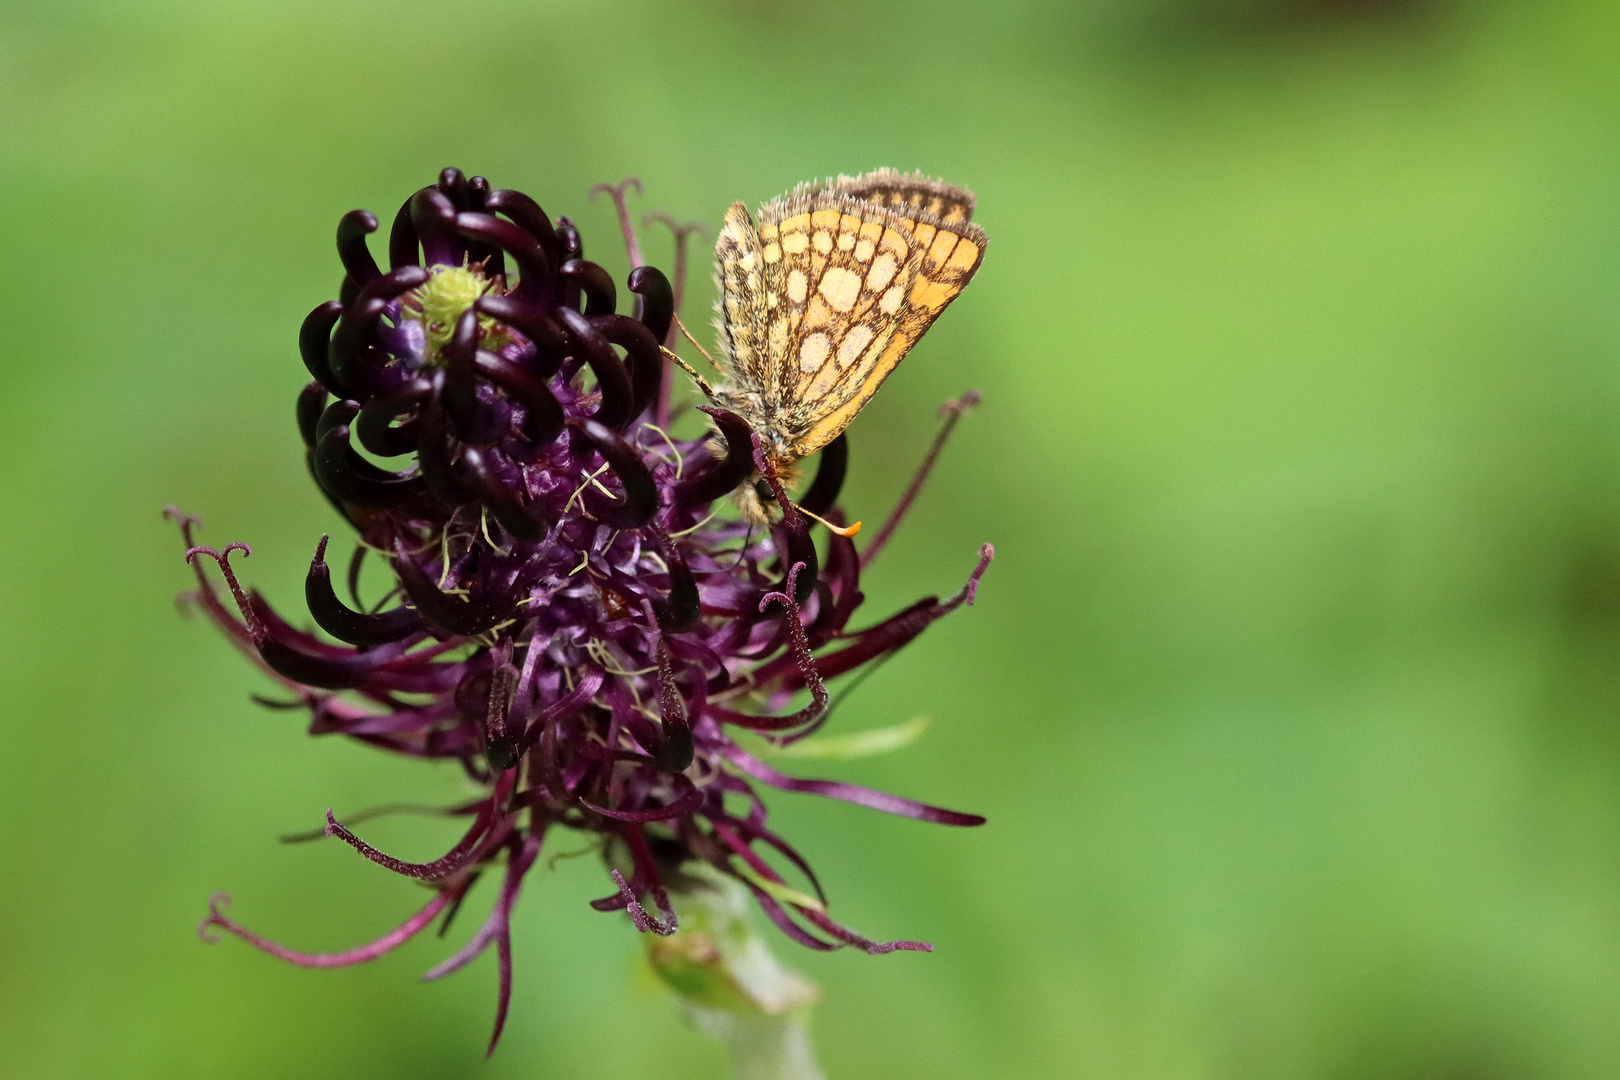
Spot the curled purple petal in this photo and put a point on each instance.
(684, 804)
(850, 793)
(467, 851)
(218, 920)
(638, 914)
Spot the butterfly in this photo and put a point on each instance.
(827, 293)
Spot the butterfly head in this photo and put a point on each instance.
(756, 505)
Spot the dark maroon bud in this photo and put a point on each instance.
(464, 618)
(335, 415)
(655, 300)
(533, 269)
(494, 493)
(680, 611)
(721, 477)
(433, 451)
(829, 481)
(618, 397)
(403, 245)
(639, 502)
(646, 363)
(473, 418)
(311, 404)
(594, 283)
(313, 339)
(374, 425)
(434, 216)
(355, 627)
(568, 236)
(453, 186)
(356, 561)
(350, 478)
(319, 671)
(358, 324)
(542, 415)
(528, 216)
(533, 323)
(352, 231)
(331, 672)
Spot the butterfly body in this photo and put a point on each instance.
(825, 295)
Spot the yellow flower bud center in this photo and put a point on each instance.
(439, 303)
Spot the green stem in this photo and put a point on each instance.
(730, 985)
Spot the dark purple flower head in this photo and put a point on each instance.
(581, 615)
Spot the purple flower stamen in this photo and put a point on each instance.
(950, 412)
(488, 830)
(387, 943)
(579, 613)
(638, 914)
(616, 192)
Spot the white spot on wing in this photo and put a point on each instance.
(881, 273)
(841, 287)
(813, 352)
(854, 343)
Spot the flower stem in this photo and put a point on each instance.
(729, 984)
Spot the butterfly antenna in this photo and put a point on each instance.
(697, 344)
(702, 383)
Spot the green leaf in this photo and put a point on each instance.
(785, 893)
(857, 744)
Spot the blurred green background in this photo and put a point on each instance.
(1292, 696)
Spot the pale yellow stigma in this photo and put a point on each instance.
(439, 303)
